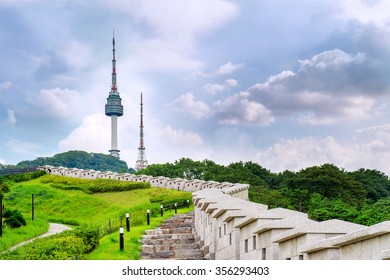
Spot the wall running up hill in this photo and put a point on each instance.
(229, 227)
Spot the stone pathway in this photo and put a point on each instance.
(174, 239)
(53, 229)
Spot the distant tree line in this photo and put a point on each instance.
(79, 159)
(324, 192)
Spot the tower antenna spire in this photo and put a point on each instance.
(113, 75)
(114, 108)
(141, 162)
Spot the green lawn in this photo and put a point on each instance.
(79, 209)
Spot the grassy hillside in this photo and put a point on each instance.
(79, 209)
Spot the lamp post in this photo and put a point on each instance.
(148, 217)
(32, 207)
(127, 222)
(1, 215)
(162, 210)
(121, 238)
(32, 204)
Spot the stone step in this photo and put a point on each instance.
(174, 239)
(166, 254)
(167, 241)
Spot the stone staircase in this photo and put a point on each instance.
(174, 239)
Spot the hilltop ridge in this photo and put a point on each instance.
(81, 160)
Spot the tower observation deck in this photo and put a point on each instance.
(114, 108)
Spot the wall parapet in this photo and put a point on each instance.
(231, 229)
(235, 190)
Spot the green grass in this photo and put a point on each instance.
(73, 206)
(109, 244)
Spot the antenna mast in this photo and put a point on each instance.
(141, 162)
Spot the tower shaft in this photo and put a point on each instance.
(114, 137)
(141, 162)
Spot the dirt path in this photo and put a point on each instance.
(53, 229)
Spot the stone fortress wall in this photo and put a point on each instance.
(229, 227)
(235, 190)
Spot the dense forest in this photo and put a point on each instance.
(79, 159)
(324, 192)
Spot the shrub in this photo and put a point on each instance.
(63, 246)
(107, 185)
(93, 186)
(90, 238)
(14, 219)
(25, 176)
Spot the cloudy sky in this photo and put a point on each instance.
(285, 83)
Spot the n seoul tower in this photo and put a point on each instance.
(114, 108)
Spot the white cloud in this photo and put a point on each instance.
(327, 59)
(328, 87)
(274, 79)
(295, 154)
(75, 54)
(238, 109)
(229, 68)
(367, 11)
(11, 119)
(58, 103)
(214, 89)
(187, 102)
(173, 27)
(179, 136)
(22, 148)
(92, 135)
(160, 55)
(353, 108)
(229, 144)
(231, 82)
(5, 85)
(370, 148)
(179, 20)
(2, 161)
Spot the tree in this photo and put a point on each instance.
(271, 197)
(376, 183)
(189, 169)
(374, 213)
(4, 186)
(322, 209)
(79, 159)
(329, 181)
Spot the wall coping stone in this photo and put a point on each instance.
(274, 213)
(222, 207)
(364, 233)
(231, 214)
(334, 226)
(349, 238)
(287, 223)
